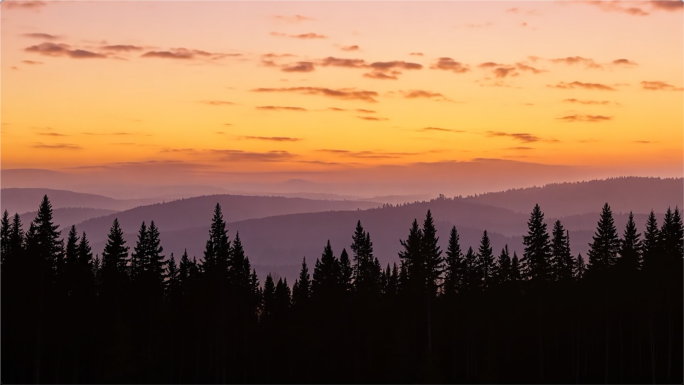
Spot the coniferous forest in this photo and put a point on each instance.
(475, 315)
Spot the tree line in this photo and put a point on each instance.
(438, 316)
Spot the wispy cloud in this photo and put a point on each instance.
(421, 94)
(248, 156)
(31, 62)
(588, 102)
(659, 86)
(121, 48)
(217, 103)
(349, 48)
(586, 118)
(449, 64)
(31, 5)
(519, 136)
(302, 66)
(295, 19)
(309, 35)
(42, 36)
(587, 86)
(278, 108)
(273, 138)
(57, 146)
(343, 93)
(371, 118)
(64, 50)
(439, 129)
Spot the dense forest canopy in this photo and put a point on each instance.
(136, 315)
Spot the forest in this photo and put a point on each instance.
(136, 315)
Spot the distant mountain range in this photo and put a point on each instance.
(277, 231)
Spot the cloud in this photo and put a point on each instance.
(659, 86)
(302, 66)
(186, 54)
(525, 67)
(31, 62)
(587, 86)
(573, 60)
(247, 156)
(274, 55)
(448, 64)
(109, 133)
(217, 103)
(338, 62)
(121, 48)
(52, 49)
(273, 138)
(586, 118)
(379, 75)
(590, 102)
(512, 10)
(276, 108)
(35, 5)
(58, 146)
(365, 111)
(619, 6)
(644, 141)
(349, 48)
(415, 54)
(370, 154)
(624, 62)
(389, 65)
(343, 93)
(438, 129)
(309, 35)
(336, 109)
(293, 19)
(43, 36)
(523, 137)
(371, 118)
(56, 134)
(415, 94)
(502, 72)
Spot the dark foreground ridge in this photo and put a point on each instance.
(440, 316)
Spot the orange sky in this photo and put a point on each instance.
(342, 88)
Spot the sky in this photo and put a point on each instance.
(374, 97)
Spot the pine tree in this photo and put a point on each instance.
(603, 251)
(172, 281)
(651, 247)
(301, 290)
(561, 258)
(4, 237)
(44, 244)
(239, 268)
(580, 267)
(269, 298)
(671, 235)
(412, 258)
(16, 239)
(473, 278)
(217, 251)
(71, 263)
(432, 255)
(516, 274)
(327, 275)
(283, 297)
(155, 260)
(453, 278)
(114, 259)
(535, 261)
(140, 254)
(346, 271)
(503, 268)
(630, 247)
(485, 262)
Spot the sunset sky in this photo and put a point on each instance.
(359, 92)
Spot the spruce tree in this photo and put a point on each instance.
(217, 251)
(301, 290)
(503, 267)
(326, 276)
(651, 246)
(140, 254)
(671, 235)
(412, 258)
(453, 271)
(432, 255)
(283, 297)
(630, 247)
(580, 267)
(516, 274)
(44, 244)
(561, 258)
(155, 260)
(535, 261)
(473, 278)
(346, 271)
(239, 266)
(485, 262)
(603, 251)
(71, 263)
(269, 298)
(4, 237)
(16, 239)
(114, 270)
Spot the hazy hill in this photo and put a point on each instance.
(640, 195)
(198, 211)
(21, 200)
(67, 216)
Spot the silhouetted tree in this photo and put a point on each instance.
(485, 261)
(535, 261)
(301, 290)
(603, 251)
(561, 258)
(453, 277)
(503, 267)
(630, 247)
